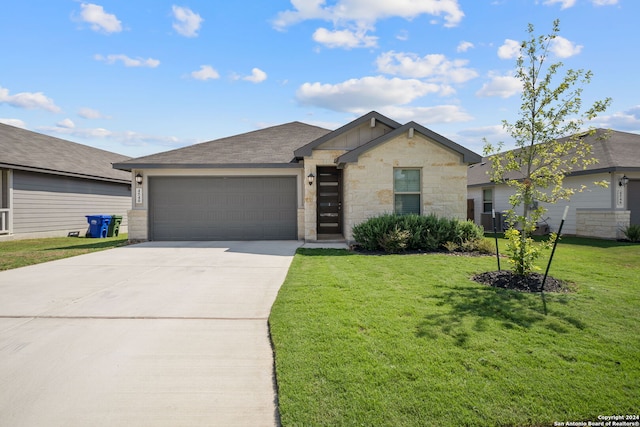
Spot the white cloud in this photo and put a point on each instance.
(564, 48)
(628, 120)
(367, 93)
(435, 67)
(464, 46)
(473, 138)
(206, 72)
(559, 46)
(127, 61)
(257, 76)
(367, 12)
(66, 123)
(99, 19)
(344, 38)
(502, 86)
(509, 50)
(403, 35)
(28, 100)
(427, 115)
(564, 4)
(89, 113)
(14, 122)
(187, 22)
(126, 138)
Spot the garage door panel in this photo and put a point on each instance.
(222, 208)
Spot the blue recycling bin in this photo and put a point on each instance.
(98, 225)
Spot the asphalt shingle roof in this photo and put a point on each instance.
(27, 150)
(620, 151)
(269, 147)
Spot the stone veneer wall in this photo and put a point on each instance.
(602, 223)
(138, 224)
(368, 184)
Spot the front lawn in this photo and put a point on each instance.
(410, 340)
(20, 253)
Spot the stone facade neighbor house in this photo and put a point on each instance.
(297, 181)
(48, 185)
(594, 212)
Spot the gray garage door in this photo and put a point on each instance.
(222, 208)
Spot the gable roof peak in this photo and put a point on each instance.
(373, 117)
(468, 156)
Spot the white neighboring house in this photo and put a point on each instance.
(48, 185)
(596, 211)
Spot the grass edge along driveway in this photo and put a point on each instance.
(21, 253)
(407, 340)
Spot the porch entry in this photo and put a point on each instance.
(633, 200)
(329, 209)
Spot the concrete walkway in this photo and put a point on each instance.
(155, 334)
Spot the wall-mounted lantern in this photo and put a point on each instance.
(310, 178)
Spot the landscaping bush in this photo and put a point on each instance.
(395, 233)
(395, 241)
(632, 232)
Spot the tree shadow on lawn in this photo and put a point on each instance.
(470, 308)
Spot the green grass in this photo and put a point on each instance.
(20, 253)
(410, 340)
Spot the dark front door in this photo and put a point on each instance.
(329, 185)
(633, 203)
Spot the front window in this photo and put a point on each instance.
(406, 189)
(487, 200)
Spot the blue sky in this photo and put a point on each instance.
(146, 76)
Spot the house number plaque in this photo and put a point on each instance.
(139, 196)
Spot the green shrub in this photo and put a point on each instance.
(368, 233)
(394, 233)
(632, 232)
(485, 246)
(395, 241)
(469, 231)
(451, 246)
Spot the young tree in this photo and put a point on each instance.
(549, 143)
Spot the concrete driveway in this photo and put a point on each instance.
(154, 334)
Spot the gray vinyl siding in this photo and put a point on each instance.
(45, 203)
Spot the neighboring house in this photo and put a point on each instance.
(297, 181)
(48, 185)
(594, 212)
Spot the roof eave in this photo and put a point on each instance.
(575, 173)
(64, 173)
(468, 156)
(131, 166)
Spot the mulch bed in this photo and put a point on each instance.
(527, 283)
